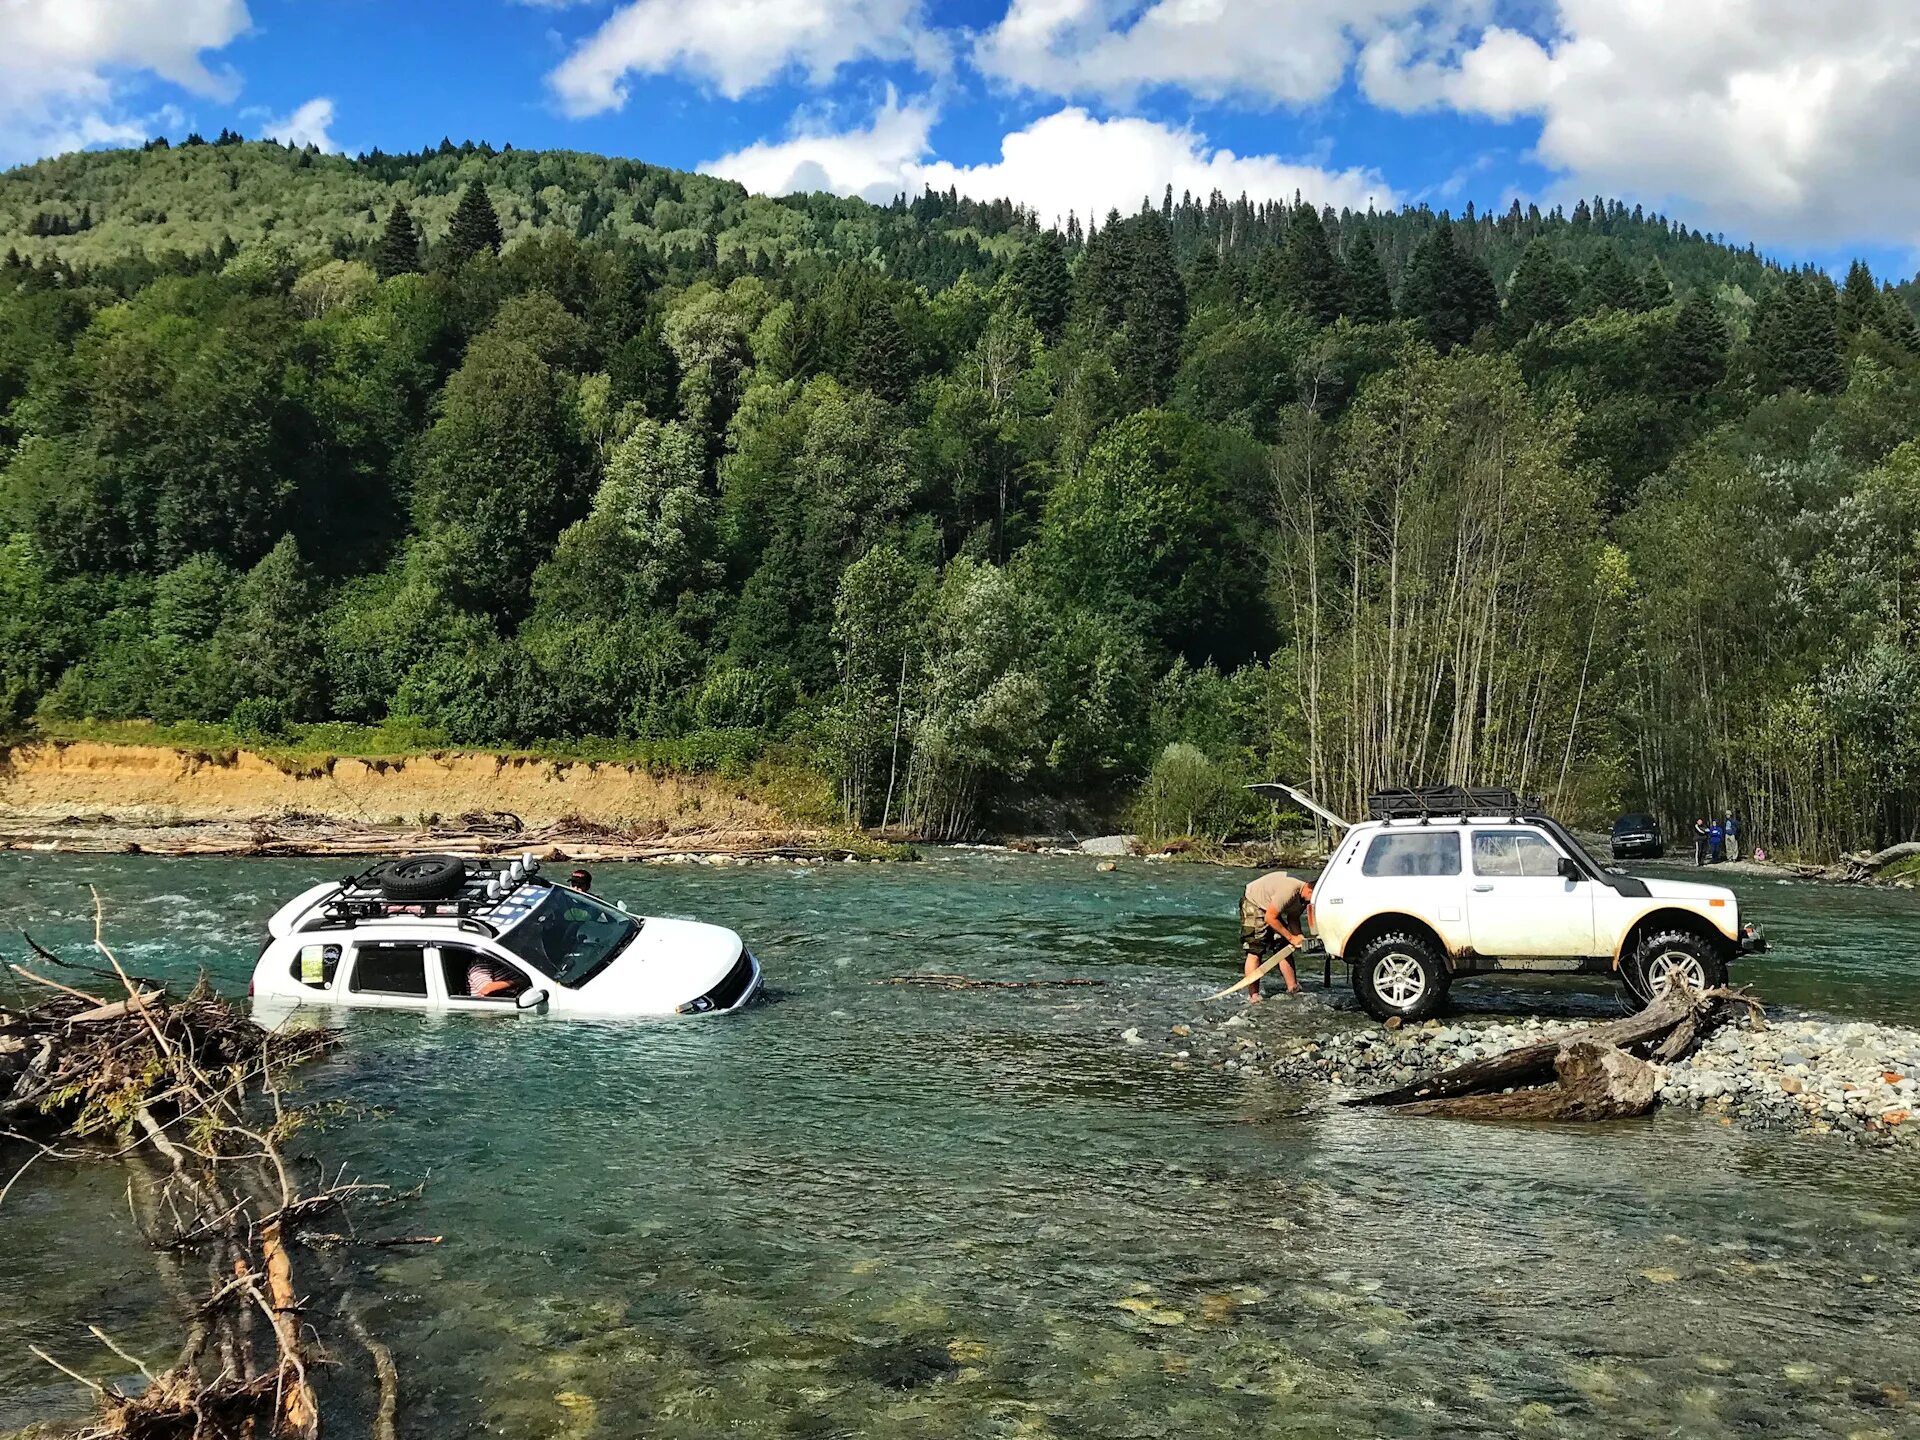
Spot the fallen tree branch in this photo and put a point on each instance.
(968, 982)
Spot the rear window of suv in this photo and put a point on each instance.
(1424, 852)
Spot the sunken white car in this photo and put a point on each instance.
(438, 932)
(1441, 883)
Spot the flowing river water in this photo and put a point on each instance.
(863, 1209)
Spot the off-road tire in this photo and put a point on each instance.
(1686, 951)
(415, 878)
(1410, 969)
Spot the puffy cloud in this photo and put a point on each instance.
(307, 125)
(59, 60)
(1288, 51)
(738, 45)
(874, 161)
(1780, 119)
(1065, 161)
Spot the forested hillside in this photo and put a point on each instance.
(522, 447)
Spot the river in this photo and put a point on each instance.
(862, 1209)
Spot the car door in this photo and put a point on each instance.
(459, 967)
(387, 975)
(1518, 902)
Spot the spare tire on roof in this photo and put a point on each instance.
(421, 877)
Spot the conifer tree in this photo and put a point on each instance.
(1860, 306)
(1609, 285)
(1044, 284)
(1656, 290)
(1796, 337)
(399, 249)
(1369, 300)
(1897, 320)
(475, 227)
(1156, 309)
(1308, 279)
(1540, 293)
(1447, 290)
(1695, 358)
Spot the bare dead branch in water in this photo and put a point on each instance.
(187, 1093)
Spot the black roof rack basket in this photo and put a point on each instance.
(1428, 802)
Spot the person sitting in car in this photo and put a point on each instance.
(490, 980)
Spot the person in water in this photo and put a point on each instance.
(1273, 911)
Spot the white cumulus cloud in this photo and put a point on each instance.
(308, 125)
(1067, 161)
(63, 65)
(738, 45)
(1785, 120)
(1292, 52)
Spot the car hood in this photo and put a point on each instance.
(1687, 890)
(669, 963)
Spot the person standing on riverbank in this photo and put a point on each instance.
(1700, 842)
(1716, 843)
(1273, 912)
(1731, 830)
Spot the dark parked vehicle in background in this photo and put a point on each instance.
(1638, 837)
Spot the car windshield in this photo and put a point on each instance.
(570, 936)
(1574, 847)
(1632, 823)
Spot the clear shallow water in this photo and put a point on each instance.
(867, 1210)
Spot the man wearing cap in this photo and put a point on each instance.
(1273, 912)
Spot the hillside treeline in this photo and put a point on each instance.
(976, 515)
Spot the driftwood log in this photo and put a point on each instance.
(1863, 867)
(1600, 1073)
(968, 982)
(186, 1094)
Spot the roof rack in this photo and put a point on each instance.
(490, 886)
(1447, 802)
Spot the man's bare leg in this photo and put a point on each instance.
(1253, 990)
(1286, 972)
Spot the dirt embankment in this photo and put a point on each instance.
(88, 796)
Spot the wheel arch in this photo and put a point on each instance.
(1671, 917)
(1388, 923)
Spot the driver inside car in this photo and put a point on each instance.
(490, 980)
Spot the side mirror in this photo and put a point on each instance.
(1569, 869)
(530, 999)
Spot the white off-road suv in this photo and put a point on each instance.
(1444, 882)
(438, 932)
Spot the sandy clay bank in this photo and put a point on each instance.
(155, 799)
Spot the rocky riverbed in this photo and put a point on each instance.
(1851, 1079)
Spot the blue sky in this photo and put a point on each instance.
(1770, 120)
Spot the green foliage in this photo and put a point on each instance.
(1188, 794)
(968, 514)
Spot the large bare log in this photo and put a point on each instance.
(1595, 1082)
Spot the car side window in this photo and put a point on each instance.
(390, 970)
(476, 975)
(1413, 852)
(1513, 853)
(315, 965)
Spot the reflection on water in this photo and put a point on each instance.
(871, 1210)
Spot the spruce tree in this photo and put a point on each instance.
(399, 250)
(1656, 290)
(1540, 293)
(1447, 290)
(1369, 300)
(1860, 307)
(1043, 283)
(1308, 279)
(475, 227)
(1156, 310)
(1796, 337)
(1694, 360)
(1609, 285)
(1897, 320)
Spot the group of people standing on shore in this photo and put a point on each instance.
(1715, 841)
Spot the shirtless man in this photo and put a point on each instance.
(1273, 913)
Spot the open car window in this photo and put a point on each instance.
(475, 975)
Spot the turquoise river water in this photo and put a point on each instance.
(868, 1210)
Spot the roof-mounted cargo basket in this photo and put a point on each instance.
(1449, 802)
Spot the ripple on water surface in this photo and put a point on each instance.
(865, 1210)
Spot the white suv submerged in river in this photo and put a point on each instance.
(1445, 882)
(436, 932)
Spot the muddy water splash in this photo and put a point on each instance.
(863, 1210)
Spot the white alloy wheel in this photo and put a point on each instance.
(1671, 965)
(1399, 979)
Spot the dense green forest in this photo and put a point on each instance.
(976, 516)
